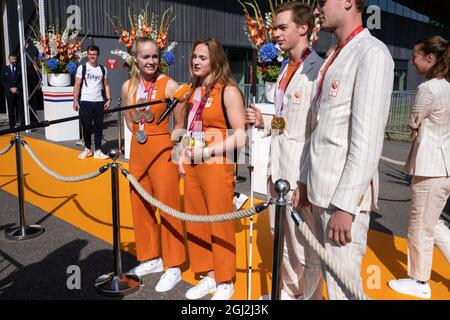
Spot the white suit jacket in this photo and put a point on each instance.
(290, 148)
(430, 115)
(346, 145)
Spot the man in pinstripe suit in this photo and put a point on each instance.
(289, 145)
(349, 117)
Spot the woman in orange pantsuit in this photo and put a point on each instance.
(151, 163)
(215, 106)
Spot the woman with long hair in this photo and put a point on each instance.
(152, 165)
(429, 165)
(215, 108)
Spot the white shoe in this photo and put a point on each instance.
(86, 153)
(224, 291)
(204, 287)
(411, 287)
(147, 267)
(169, 280)
(98, 154)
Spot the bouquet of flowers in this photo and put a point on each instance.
(260, 32)
(58, 53)
(145, 25)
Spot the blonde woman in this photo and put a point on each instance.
(151, 164)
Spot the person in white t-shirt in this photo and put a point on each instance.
(91, 79)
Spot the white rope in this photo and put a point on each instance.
(392, 161)
(6, 149)
(56, 175)
(188, 217)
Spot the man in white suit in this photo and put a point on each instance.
(349, 117)
(289, 143)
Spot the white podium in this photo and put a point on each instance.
(260, 155)
(58, 104)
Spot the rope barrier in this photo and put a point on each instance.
(193, 217)
(349, 284)
(356, 290)
(63, 178)
(7, 148)
(392, 161)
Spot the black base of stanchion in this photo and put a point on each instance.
(118, 285)
(19, 234)
(240, 179)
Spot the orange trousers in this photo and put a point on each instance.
(209, 189)
(152, 166)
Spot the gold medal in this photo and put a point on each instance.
(279, 123)
(187, 142)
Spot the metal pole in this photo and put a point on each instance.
(116, 283)
(23, 63)
(282, 188)
(23, 232)
(42, 30)
(119, 125)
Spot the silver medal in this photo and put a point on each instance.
(141, 136)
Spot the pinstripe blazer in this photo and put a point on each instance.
(430, 115)
(346, 145)
(290, 147)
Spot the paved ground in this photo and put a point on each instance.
(37, 269)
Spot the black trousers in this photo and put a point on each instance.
(15, 109)
(92, 112)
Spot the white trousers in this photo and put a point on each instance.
(428, 198)
(348, 258)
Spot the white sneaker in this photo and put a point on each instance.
(168, 280)
(86, 153)
(147, 267)
(204, 287)
(98, 154)
(411, 287)
(224, 291)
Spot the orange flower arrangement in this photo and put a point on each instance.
(145, 25)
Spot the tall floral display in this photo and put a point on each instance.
(147, 25)
(260, 30)
(59, 54)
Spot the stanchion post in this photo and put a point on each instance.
(116, 283)
(119, 125)
(282, 188)
(24, 231)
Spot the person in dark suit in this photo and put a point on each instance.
(12, 84)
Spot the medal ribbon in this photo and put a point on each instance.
(285, 81)
(147, 95)
(330, 60)
(195, 121)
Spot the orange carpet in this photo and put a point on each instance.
(87, 205)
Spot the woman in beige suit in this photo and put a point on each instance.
(429, 165)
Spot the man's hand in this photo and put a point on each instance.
(76, 105)
(340, 228)
(300, 197)
(254, 116)
(107, 104)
